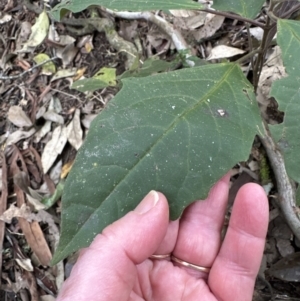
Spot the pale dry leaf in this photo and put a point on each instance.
(45, 129)
(55, 172)
(39, 32)
(54, 147)
(192, 22)
(25, 263)
(53, 34)
(18, 117)
(211, 25)
(128, 30)
(47, 298)
(196, 21)
(182, 13)
(75, 131)
(272, 70)
(223, 51)
(14, 211)
(41, 111)
(88, 107)
(5, 18)
(63, 74)
(256, 32)
(45, 217)
(54, 117)
(55, 104)
(24, 32)
(35, 203)
(65, 40)
(253, 165)
(67, 54)
(19, 135)
(35, 194)
(86, 121)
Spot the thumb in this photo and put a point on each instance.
(106, 270)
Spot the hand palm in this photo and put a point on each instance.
(116, 265)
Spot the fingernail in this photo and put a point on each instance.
(149, 201)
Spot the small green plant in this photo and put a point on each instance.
(180, 131)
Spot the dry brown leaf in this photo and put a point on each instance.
(45, 129)
(19, 135)
(35, 202)
(191, 22)
(273, 69)
(54, 117)
(18, 117)
(67, 54)
(63, 74)
(54, 147)
(42, 249)
(75, 131)
(45, 217)
(79, 73)
(86, 121)
(211, 25)
(182, 13)
(55, 172)
(5, 18)
(223, 51)
(66, 169)
(47, 298)
(32, 231)
(14, 211)
(25, 263)
(3, 204)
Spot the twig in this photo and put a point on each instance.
(233, 16)
(250, 44)
(286, 189)
(2, 77)
(3, 203)
(165, 26)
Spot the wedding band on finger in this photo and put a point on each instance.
(190, 265)
(159, 257)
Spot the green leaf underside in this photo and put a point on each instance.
(287, 94)
(176, 132)
(245, 8)
(127, 5)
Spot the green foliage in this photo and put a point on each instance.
(264, 171)
(286, 92)
(245, 8)
(177, 132)
(132, 5)
(103, 78)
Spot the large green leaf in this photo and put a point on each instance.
(287, 93)
(176, 132)
(246, 8)
(130, 5)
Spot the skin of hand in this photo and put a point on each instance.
(116, 266)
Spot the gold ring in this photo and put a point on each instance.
(190, 265)
(154, 256)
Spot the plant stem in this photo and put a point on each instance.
(233, 16)
(248, 55)
(286, 188)
(263, 47)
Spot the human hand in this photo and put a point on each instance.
(116, 266)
